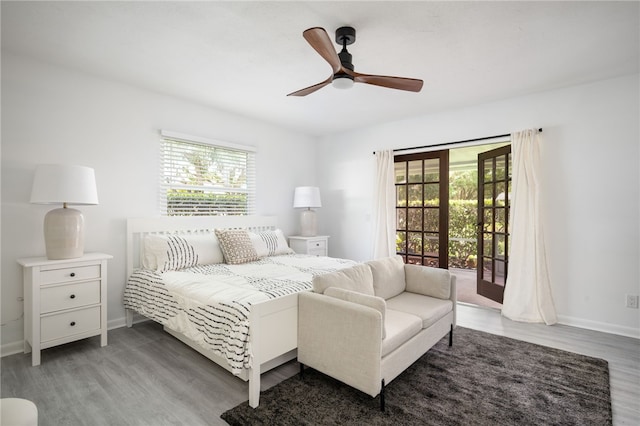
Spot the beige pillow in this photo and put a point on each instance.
(388, 276)
(434, 282)
(356, 278)
(236, 246)
(377, 303)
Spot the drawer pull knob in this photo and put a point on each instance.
(73, 274)
(73, 296)
(73, 323)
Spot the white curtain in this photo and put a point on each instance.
(384, 207)
(527, 294)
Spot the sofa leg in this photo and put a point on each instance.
(382, 397)
(451, 336)
(301, 371)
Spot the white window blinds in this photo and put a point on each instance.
(203, 177)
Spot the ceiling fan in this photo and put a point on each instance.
(343, 75)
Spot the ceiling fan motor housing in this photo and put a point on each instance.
(344, 37)
(345, 59)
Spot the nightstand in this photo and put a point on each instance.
(315, 246)
(64, 300)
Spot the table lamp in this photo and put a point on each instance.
(64, 227)
(307, 197)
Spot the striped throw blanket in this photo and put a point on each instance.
(210, 304)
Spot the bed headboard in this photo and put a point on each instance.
(138, 227)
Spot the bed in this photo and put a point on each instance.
(239, 310)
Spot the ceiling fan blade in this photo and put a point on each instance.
(311, 89)
(319, 39)
(400, 83)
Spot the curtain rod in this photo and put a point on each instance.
(454, 143)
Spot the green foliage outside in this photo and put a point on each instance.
(462, 235)
(463, 217)
(219, 171)
(193, 203)
(463, 185)
(463, 211)
(463, 243)
(418, 202)
(204, 167)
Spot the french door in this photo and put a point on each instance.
(494, 187)
(422, 208)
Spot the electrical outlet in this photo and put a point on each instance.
(632, 301)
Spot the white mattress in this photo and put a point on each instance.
(210, 303)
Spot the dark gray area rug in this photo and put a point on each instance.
(483, 379)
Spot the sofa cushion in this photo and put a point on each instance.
(374, 302)
(434, 282)
(388, 276)
(357, 278)
(400, 327)
(428, 309)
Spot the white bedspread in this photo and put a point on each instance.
(210, 304)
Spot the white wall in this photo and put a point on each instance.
(590, 149)
(53, 115)
(591, 188)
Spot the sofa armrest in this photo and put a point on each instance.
(341, 339)
(375, 302)
(428, 281)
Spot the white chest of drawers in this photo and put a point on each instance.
(64, 301)
(315, 246)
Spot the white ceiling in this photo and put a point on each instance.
(244, 57)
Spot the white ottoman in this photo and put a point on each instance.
(18, 412)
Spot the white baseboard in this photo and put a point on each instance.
(122, 321)
(18, 347)
(12, 348)
(599, 326)
(116, 323)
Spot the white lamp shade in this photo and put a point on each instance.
(57, 184)
(306, 197)
(64, 227)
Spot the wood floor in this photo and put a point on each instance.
(146, 377)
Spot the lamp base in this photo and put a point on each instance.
(308, 227)
(64, 234)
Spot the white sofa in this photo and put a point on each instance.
(366, 324)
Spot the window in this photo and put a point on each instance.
(203, 177)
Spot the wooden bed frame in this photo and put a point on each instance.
(273, 323)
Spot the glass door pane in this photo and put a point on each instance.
(422, 199)
(494, 170)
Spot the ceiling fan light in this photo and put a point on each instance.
(342, 82)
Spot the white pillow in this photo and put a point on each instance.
(270, 243)
(171, 252)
